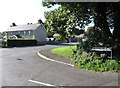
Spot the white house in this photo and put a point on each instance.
(28, 31)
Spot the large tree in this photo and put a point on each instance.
(116, 23)
(105, 16)
(116, 18)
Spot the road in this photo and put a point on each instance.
(22, 66)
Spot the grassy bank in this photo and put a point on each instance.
(64, 51)
(92, 62)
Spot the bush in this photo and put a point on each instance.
(60, 38)
(95, 38)
(95, 63)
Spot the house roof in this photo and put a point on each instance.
(24, 27)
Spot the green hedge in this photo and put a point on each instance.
(22, 42)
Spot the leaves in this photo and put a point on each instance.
(65, 19)
(70, 15)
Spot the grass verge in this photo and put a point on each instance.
(64, 51)
(93, 62)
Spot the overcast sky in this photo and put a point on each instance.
(20, 12)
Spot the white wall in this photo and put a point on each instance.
(40, 34)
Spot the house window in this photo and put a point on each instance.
(24, 33)
(19, 32)
(9, 33)
(15, 32)
(29, 32)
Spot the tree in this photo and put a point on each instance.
(104, 15)
(116, 32)
(65, 20)
(116, 17)
(100, 19)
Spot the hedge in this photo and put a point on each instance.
(22, 42)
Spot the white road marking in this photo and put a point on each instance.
(44, 57)
(37, 82)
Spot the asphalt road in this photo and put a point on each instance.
(22, 66)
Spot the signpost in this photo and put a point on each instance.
(102, 49)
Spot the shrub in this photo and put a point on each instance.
(96, 63)
(93, 60)
(95, 38)
(60, 38)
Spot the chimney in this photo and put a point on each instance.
(29, 23)
(13, 24)
(40, 21)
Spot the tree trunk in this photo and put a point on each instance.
(116, 31)
(100, 19)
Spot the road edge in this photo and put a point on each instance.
(49, 59)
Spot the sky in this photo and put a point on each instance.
(20, 12)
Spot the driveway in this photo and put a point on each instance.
(22, 66)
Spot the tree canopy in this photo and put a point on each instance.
(71, 15)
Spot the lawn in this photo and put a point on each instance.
(64, 51)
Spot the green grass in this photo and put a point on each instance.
(96, 64)
(64, 51)
(93, 62)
